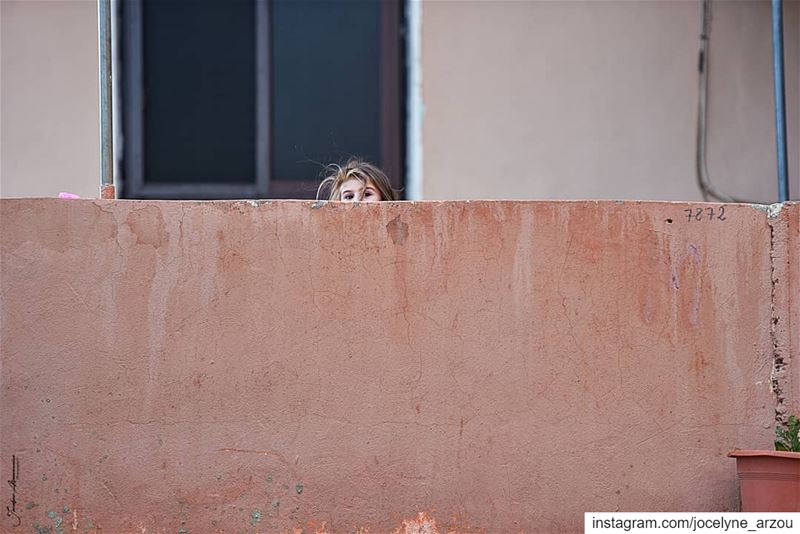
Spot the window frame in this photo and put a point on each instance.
(391, 125)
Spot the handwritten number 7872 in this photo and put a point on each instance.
(705, 214)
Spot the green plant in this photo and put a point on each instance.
(788, 438)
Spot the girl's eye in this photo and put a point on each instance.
(347, 196)
(368, 194)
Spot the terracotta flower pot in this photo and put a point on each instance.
(769, 481)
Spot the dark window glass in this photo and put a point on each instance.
(199, 91)
(246, 98)
(325, 84)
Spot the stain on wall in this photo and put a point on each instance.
(410, 367)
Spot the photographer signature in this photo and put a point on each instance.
(11, 511)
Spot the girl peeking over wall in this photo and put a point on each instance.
(356, 181)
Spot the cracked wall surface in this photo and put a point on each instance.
(456, 366)
(785, 327)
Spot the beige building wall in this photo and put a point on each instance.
(49, 130)
(536, 99)
(521, 99)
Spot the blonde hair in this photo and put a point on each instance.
(361, 171)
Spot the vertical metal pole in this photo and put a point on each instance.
(263, 98)
(780, 100)
(106, 119)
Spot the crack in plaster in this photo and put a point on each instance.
(777, 331)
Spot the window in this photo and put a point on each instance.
(246, 98)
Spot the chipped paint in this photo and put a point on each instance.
(772, 210)
(58, 521)
(421, 524)
(255, 517)
(398, 230)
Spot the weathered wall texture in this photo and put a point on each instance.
(498, 366)
(786, 299)
(587, 99)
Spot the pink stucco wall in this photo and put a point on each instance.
(498, 366)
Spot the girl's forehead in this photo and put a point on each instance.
(356, 181)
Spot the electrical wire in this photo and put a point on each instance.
(707, 189)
